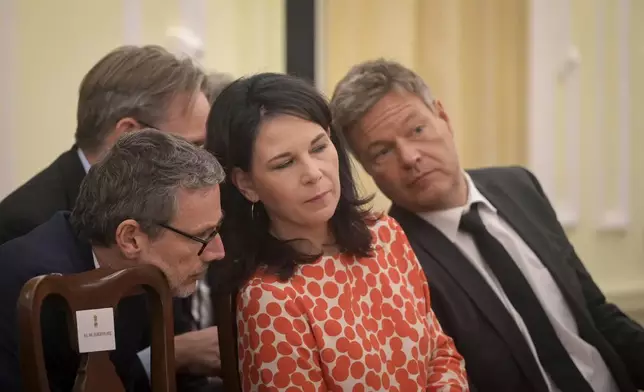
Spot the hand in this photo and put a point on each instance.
(197, 352)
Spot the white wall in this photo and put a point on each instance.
(584, 136)
(47, 47)
(7, 48)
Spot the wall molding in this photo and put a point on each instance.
(540, 113)
(132, 22)
(320, 45)
(570, 205)
(188, 37)
(258, 19)
(8, 31)
(452, 50)
(490, 125)
(616, 217)
(193, 16)
(553, 59)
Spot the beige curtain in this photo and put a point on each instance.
(472, 53)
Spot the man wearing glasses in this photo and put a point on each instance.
(130, 88)
(154, 199)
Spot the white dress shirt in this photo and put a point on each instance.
(586, 357)
(201, 306)
(83, 159)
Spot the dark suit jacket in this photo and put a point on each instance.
(53, 189)
(53, 248)
(183, 322)
(497, 356)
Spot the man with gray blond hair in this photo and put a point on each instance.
(130, 88)
(506, 283)
(153, 199)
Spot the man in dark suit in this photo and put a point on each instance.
(153, 199)
(129, 88)
(506, 283)
(53, 189)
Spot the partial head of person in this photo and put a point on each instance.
(136, 87)
(154, 198)
(289, 192)
(217, 82)
(401, 135)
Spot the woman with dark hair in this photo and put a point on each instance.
(330, 297)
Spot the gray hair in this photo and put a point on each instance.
(138, 179)
(132, 81)
(367, 83)
(217, 82)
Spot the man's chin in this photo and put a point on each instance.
(186, 290)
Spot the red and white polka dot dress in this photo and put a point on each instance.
(347, 324)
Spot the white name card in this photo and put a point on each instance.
(95, 330)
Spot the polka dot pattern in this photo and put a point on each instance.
(347, 324)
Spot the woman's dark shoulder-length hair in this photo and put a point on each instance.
(233, 125)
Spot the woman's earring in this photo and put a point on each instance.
(252, 211)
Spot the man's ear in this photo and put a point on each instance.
(244, 183)
(440, 110)
(126, 124)
(442, 114)
(130, 239)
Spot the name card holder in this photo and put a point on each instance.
(95, 330)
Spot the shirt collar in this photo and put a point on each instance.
(86, 166)
(83, 159)
(95, 260)
(447, 221)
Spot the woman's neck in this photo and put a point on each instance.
(317, 239)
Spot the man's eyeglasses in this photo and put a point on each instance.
(203, 241)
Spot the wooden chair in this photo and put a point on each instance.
(225, 313)
(100, 288)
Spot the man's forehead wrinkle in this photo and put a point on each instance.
(382, 117)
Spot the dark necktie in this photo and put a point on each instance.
(553, 356)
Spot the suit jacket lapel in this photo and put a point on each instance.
(441, 249)
(548, 246)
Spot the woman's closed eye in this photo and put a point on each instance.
(314, 150)
(283, 165)
(319, 148)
